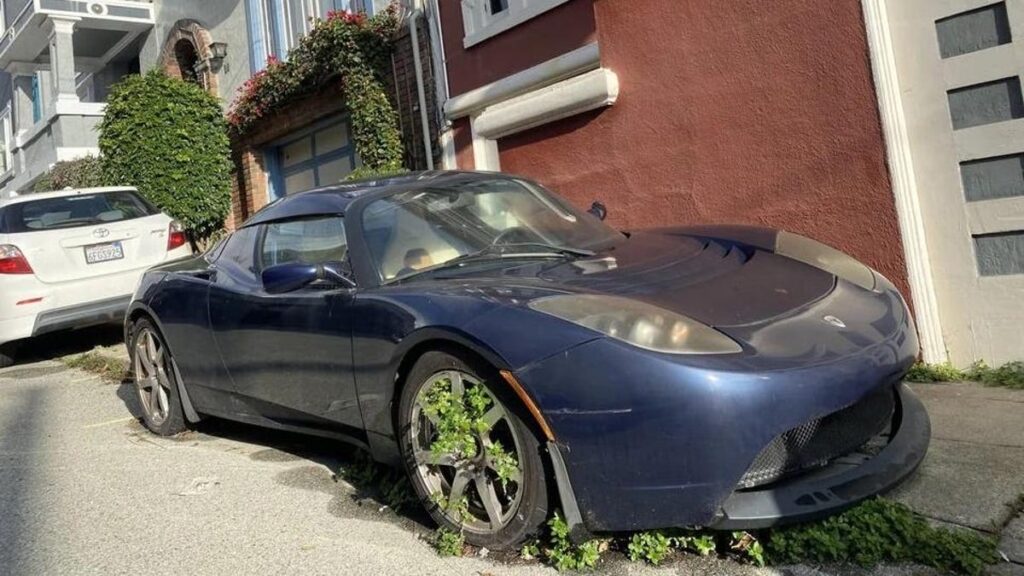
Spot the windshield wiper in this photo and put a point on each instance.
(499, 251)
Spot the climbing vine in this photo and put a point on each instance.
(351, 49)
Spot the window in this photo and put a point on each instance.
(483, 19)
(37, 100)
(74, 211)
(8, 139)
(318, 158)
(276, 26)
(308, 241)
(238, 250)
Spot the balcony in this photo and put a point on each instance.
(103, 28)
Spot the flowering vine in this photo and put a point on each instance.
(344, 47)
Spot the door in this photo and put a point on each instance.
(958, 63)
(319, 157)
(289, 355)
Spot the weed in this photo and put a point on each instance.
(392, 485)
(530, 550)
(112, 370)
(651, 546)
(563, 554)
(881, 531)
(946, 372)
(703, 544)
(744, 544)
(448, 543)
(1009, 375)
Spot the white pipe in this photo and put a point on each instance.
(428, 148)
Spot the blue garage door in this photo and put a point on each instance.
(318, 157)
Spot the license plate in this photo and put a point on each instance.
(103, 252)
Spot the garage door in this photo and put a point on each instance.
(315, 158)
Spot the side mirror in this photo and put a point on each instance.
(598, 209)
(285, 278)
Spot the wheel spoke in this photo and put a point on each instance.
(429, 414)
(458, 488)
(154, 398)
(151, 348)
(489, 497)
(458, 387)
(434, 458)
(494, 415)
(516, 476)
(145, 362)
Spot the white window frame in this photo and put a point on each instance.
(7, 133)
(479, 24)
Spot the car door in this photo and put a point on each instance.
(289, 355)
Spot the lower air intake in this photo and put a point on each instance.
(823, 439)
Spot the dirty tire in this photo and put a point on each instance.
(7, 354)
(526, 514)
(151, 366)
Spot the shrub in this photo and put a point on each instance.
(168, 138)
(347, 48)
(85, 172)
(881, 531)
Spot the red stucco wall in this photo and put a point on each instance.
(744, 111)
(565, 28)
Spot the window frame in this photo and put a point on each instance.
(7, 135)
(479, 24)
(264, 228)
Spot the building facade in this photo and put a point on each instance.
(887, 129)
(58, 60)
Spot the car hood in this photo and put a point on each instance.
(718, 282)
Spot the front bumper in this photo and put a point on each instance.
(843, 483)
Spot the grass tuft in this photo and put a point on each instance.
(1009, 375)
(113, 370)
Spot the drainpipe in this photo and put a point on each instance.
(415, 15)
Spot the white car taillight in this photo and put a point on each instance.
(12, 261)
(175, 236)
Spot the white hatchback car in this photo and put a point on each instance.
(73, 258)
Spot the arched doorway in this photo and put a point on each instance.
(186, 55)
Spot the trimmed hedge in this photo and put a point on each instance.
(85, 172)
(169, 139)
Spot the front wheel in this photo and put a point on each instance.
(471, 459)
(155, 381)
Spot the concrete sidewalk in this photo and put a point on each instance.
(84, 489)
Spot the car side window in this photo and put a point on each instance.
(306, 241)
(238, 250)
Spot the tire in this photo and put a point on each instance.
(520, 503)
(155, 381)
(7, 354)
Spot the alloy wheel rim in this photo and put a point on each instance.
(151, 378)
(491, 504)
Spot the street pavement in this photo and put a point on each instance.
(85, 489)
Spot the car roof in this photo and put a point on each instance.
(336, 198)
(30, 196)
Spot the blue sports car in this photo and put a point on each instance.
(515, 355)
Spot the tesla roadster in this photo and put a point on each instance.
(515, 355)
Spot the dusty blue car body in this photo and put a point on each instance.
(642, 439)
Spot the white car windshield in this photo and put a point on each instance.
(423, 229)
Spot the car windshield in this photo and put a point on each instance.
(72, 211)
(423, 229)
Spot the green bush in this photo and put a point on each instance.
(169, 139)
(881, 531)
(350, 50)
(85, 172)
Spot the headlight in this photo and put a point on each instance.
(824, 257)
(638, 323)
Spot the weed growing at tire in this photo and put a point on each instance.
(112, 370)
(449, 543)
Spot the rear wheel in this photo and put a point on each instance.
(7, 353)
(154, 380)
(471, 459)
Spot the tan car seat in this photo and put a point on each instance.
(412, 231)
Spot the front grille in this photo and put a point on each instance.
(817, 442)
